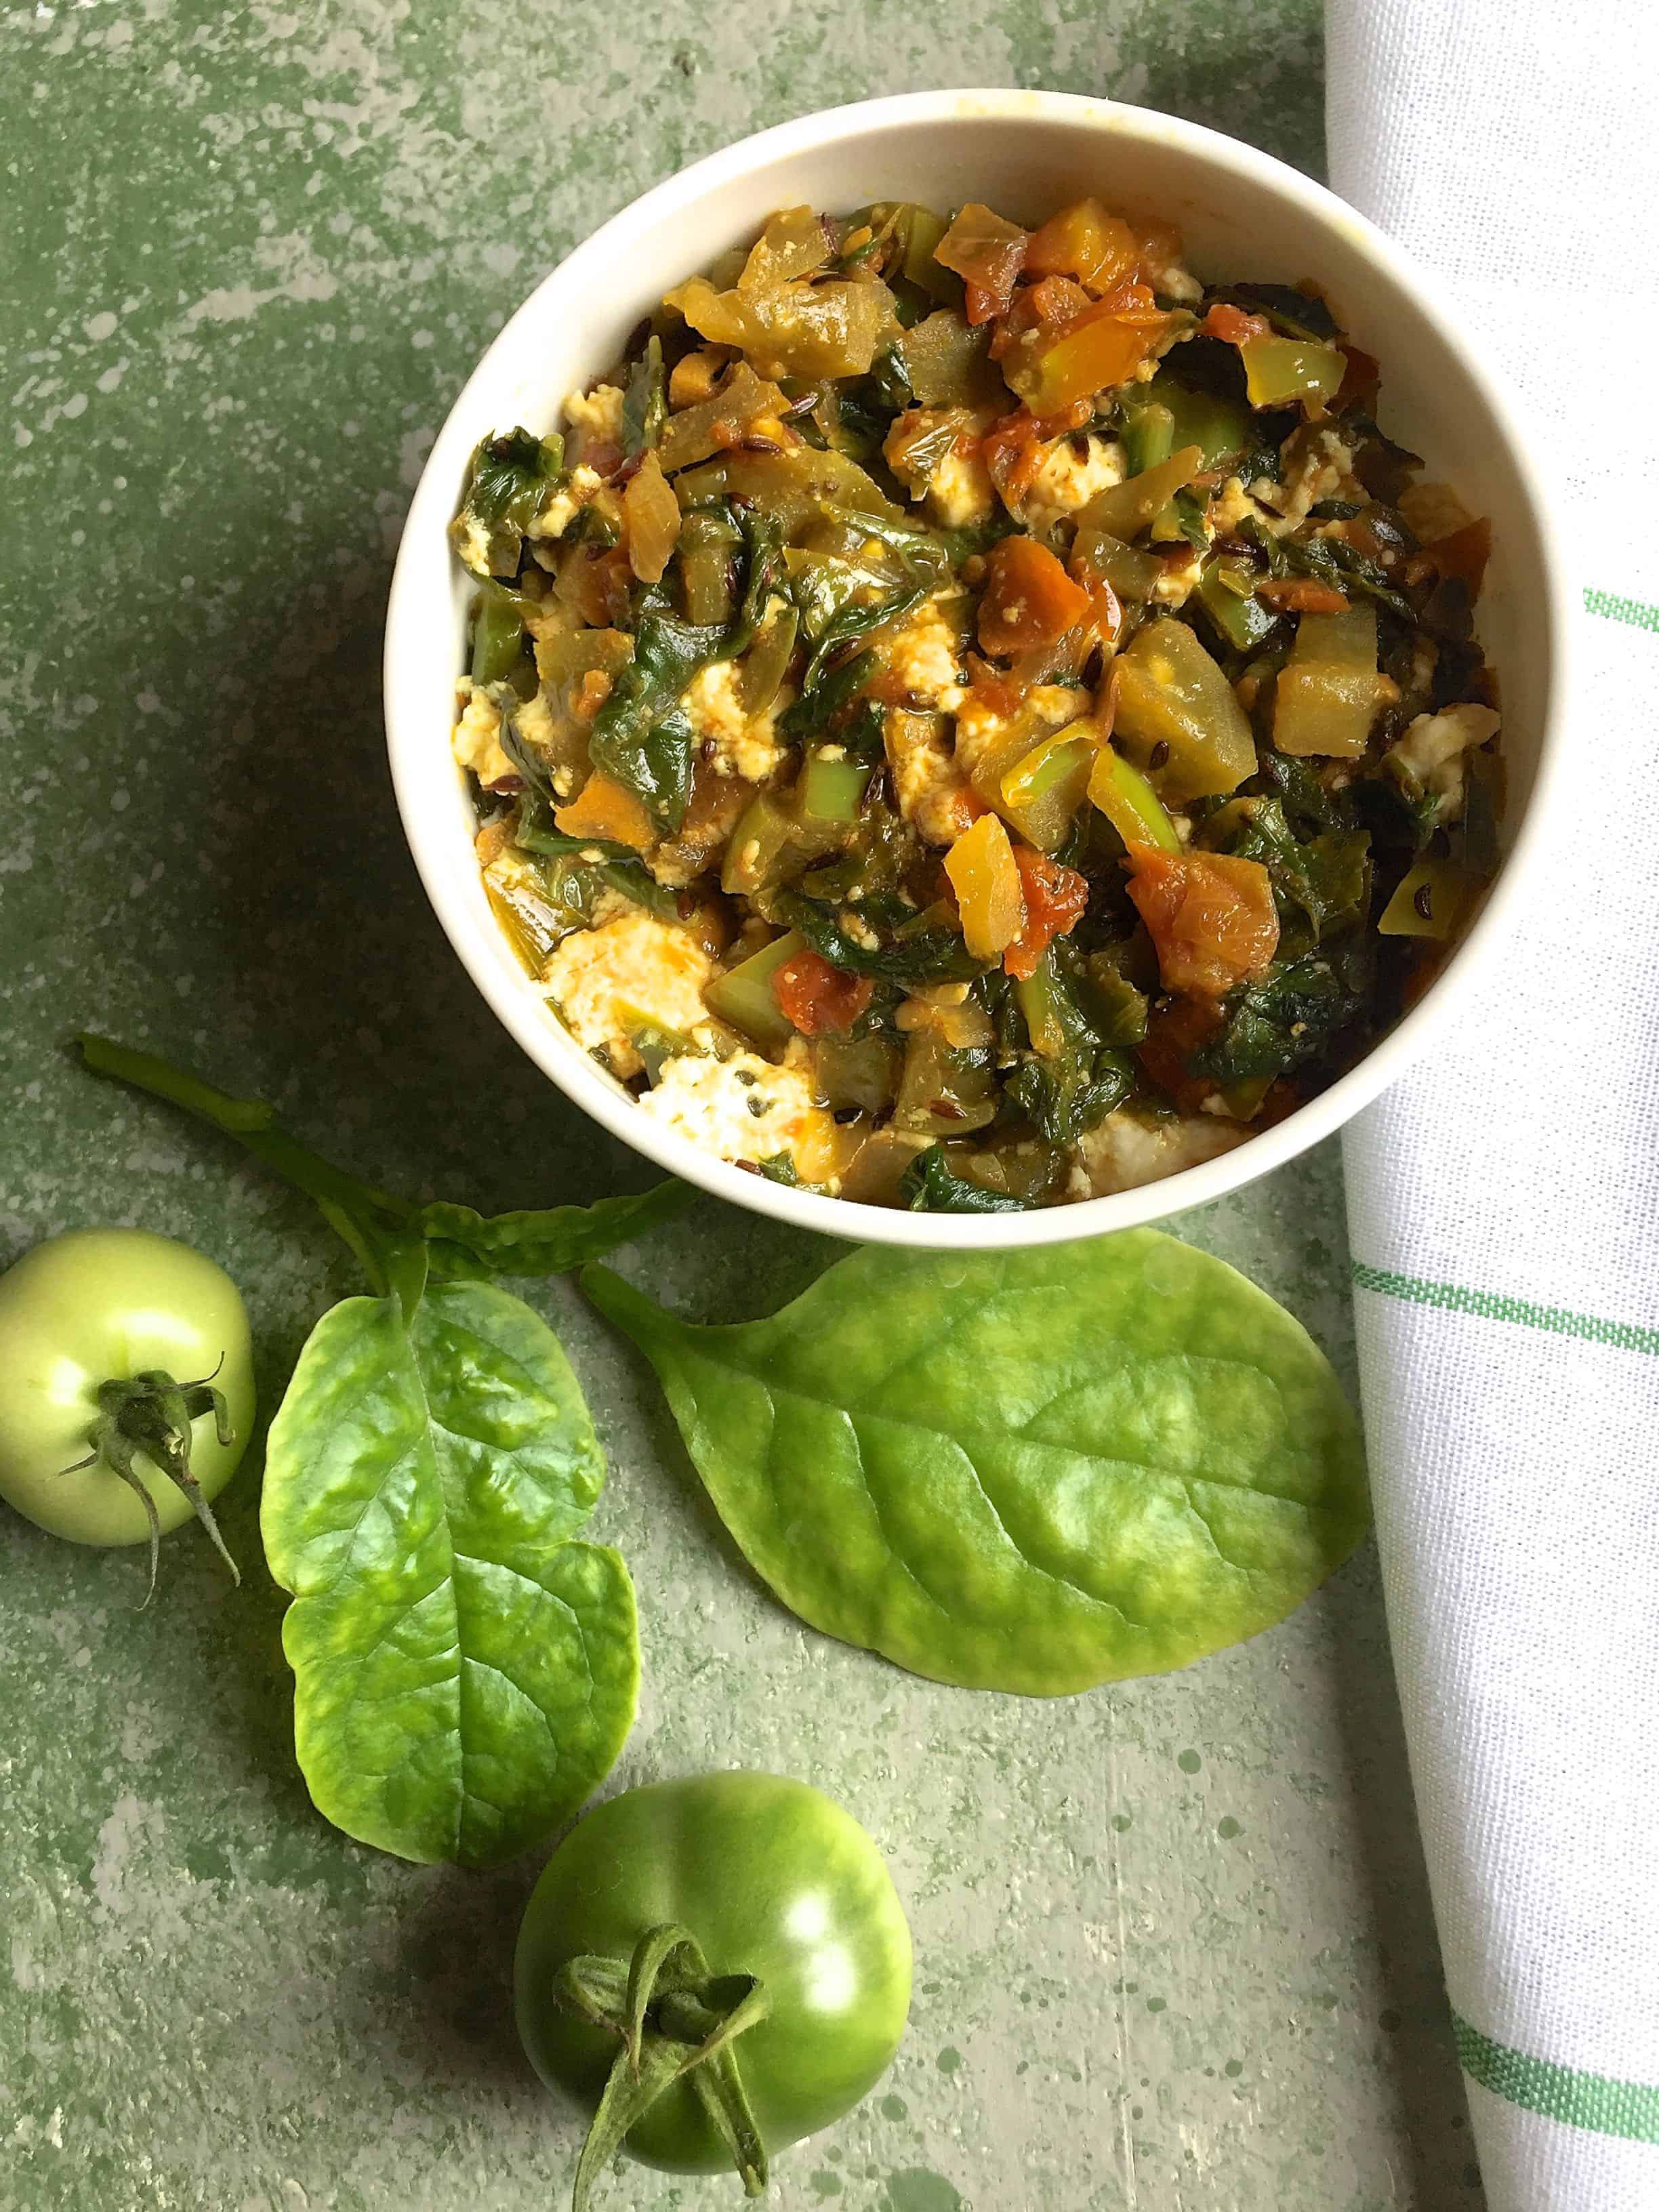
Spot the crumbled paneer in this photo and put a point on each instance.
(566, 504)
(1325, 472)
(472, 542)
(1235, 503)
(1431, 751)
(925, 658)
(630, 965)
(600, 413)
(745, 1108)
(743, 744)
(534, 723)
(980, 731)
(1069, 479)
(1177, 584)
(930, 789)
(961, 493)
(476, 742)
(1123, 1151)
(1172, 280)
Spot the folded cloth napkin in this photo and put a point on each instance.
(1504, 1199)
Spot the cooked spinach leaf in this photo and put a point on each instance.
(919, 952)
(1322, 887)
(1333, 561)
(579, 866)
(1294, 1016)
(818, 705)
(931, 1185)
(641, 736)
(645, 400)
(509, 480)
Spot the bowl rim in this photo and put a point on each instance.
(538, 1034)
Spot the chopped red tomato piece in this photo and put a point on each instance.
(1055, 897)
(1464, 553)
(1360, 378)
(1029, 600)
(1300, 595)
(1211, 915)
(1232, 326)
(1083, 241)
(988, 253)
(818, 999)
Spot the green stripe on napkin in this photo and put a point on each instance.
(1626, 1335)
(1560, 2093)
(1637, 612)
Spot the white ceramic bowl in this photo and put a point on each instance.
(1026, 153)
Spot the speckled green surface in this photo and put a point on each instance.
(1174, 1945)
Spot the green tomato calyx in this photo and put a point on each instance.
(149, 1413)
(675, 2020)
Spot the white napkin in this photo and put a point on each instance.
(1504, 1201)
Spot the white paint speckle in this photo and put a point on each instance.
(100, 327)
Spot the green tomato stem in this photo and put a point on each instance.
(363, 1217)
(674, 2020)
(149, 1413)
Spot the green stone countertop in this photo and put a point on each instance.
(1174, 1947)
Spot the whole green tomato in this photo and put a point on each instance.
(128, 1385)
(761, 1933)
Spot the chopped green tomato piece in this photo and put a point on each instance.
(875, 1174)
(1029, 754)
(764, 667)
(1430, 900)
(990, 891)
(1029, 1171)
(1278, 371)
(1329, 690)
(1129, 803)
(944, 1092)
(693, 433)
(1056, 764)
(794, 488)
(1132, 573)
(709, 544)
(653, 1043)
(1177, 716)
(497, 634)
(1230, 607)
(1039, 997)
(1242, 1100)
(1148, 437)
(832, 788)
(921, 231)
(755, 850)
(1124, 510)
(947, 361)
(794, 244)
(1219, 427)
(744, 994)
(856, 1074)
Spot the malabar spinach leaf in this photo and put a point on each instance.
(464, 1676)
(1029, 1471)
